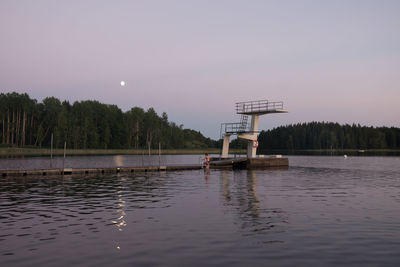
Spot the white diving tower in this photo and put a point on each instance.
(250, 108)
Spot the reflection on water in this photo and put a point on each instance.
(118, 161)
(242, 196)
(321, 211)
(120, 222)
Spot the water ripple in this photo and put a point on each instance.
(321, 211)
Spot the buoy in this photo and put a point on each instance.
(255, 145)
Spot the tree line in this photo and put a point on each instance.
(25, 122)
(324, 135)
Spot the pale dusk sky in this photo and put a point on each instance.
(336, 61)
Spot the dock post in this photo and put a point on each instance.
(159, 155)
(51, 152)
(148, 144)
(65, 148)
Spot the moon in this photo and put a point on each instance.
(123, 83)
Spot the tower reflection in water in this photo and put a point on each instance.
(253, 215)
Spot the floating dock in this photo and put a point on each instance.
(87, 171)
(216, 163)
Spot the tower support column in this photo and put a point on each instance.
(251, 149)
(225, 146)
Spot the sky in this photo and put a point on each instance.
(336, 61)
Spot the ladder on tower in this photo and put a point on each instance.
(243, 123)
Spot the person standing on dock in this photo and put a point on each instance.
(206, 162)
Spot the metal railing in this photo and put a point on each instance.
(233, 127)
(257, 106)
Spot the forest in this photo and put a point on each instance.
(324, 135)
(25, 122)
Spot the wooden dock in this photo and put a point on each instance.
(216, 163)
(87, 171)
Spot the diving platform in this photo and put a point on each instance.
(246, 131)
(259, 107)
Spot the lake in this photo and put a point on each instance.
(321, 211)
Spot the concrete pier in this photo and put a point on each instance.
(251, 163)
(274, 162)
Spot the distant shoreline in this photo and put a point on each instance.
(4, 152)
(15, 152)
(336, 152)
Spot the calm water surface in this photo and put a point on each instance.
(322, 211)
